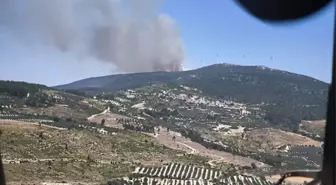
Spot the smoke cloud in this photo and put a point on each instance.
(131, 34)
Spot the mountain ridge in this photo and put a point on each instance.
(212, 65)
(287, 98)
(264, 82)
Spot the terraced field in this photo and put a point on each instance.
(185, 174)
(232, 180)
(179, 171)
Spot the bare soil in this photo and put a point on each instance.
(276, 137)
(180, 143)
(314, 127)
(184, 144)
(298, 180)
(110, 119)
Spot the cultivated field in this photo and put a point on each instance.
(276, 137)
(165, 137)
(185, 144)
(33, 152)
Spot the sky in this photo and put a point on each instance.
(214, 31)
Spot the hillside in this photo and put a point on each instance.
(40, 153)
(157, 133)
(222, 125)
(314, 129)
(288, 98)
(23, 100)
(34, 153)
(268, 84)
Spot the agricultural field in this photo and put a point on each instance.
(157, 134)
(179, 171)
(232, 180)
(35, 152)
(181, 174)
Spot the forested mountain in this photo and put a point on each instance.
(19, 89)
(253, 84)
(288, 97)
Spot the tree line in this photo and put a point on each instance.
(136, 125)
(19, 89)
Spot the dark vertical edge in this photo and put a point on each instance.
(2, 172)
(328, 175)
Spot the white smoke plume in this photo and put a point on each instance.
(131, 34)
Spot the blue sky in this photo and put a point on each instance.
(213, 32)
(223, 27)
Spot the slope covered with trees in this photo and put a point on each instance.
(287, 98)
(19, 89)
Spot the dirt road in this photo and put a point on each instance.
(95, 115)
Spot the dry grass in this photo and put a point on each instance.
(57, 111)
(79, 155)
(110, 119)
(314, 127)
(267, 139)
(184, 144)
(275, 138)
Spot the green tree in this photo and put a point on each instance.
(253, 165)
